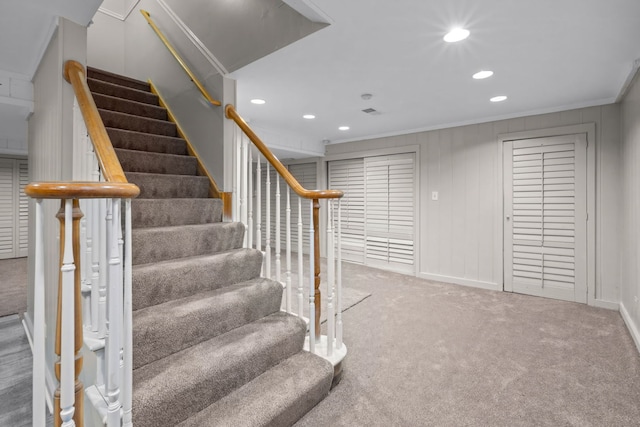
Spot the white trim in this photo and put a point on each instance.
(460, 281)
(27, 323)
(594, 103)
(401, 149)
(609, 305)
(309, 10)
(194, 39)
(590, 130)
(627, 83)
(116, 15)
(633, 329)
(17, 102)
(53, 26)
(21, 154)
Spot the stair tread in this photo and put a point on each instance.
(155, 283)
(118, 120)
(126, 92)
(201, 316)
(150, 162)
(92, 71)
(129, 106)
(168, 186)
(147, 213)
(190, 380)
(181, 241)
(278, 397)
(124, 138)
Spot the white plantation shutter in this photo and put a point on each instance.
(23, 210)
(389, 211)
(13, 208)
(378, 209)
(348, 176)
(547, 236)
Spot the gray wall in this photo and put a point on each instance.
(460, 237)
(630, 291)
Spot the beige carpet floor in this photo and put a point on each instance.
(13, 286)
(430, 354)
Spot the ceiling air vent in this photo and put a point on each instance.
(371, 111)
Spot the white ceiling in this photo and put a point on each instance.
(547, 55)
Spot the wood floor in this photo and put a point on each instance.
(15, 373)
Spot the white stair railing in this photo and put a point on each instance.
(257, 198)
(95, 304)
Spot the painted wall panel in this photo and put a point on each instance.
(461, 237)
(630, 229)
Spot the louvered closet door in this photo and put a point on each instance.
(348, 176)
(545, 217)
(389, 211)
(305, 173)
(13, 208)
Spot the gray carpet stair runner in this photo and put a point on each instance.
(211, 347)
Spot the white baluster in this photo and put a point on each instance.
(277, 219)
(85, 262)
(115, 291)
(127, 383)
(330, 281)
(250, 202)
(267, 235)
(312, 290)
(339, 280)
(67, 348)
(39, 363)
(300, 261)
(243, 186)
(288, 249)
(259, 206)
(102, 279)
(237, 174)
(95, 262)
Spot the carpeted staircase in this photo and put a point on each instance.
(211, 347)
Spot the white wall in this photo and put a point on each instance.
(105, 43)
(460, 234)
(50, 159)
(630, 254)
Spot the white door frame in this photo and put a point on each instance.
(590, 130)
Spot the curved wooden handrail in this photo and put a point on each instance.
(110, 166)
(178, 58)
(232, 114)
(81, 190)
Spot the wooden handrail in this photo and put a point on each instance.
(110, 166)
(178, 58)
(81, 190)
(232, 114)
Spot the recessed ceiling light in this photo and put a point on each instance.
(482, 74)
(258, 101)
(343, 128)
(456, 35)
(308, 116)
(498, 98)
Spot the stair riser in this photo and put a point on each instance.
(130, 140)
(160, 244)
(158, 283)
(93, 73)
(140, 161)
(221, 366)
(111, 89)
(120, 105)
(116, 120)
(158, 186)
(207, 317)
(171, 212)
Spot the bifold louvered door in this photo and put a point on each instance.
(389, 211)
(545, 224)
(348, 176)
(378, 210)
(14, 207)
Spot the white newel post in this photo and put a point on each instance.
(330, 280)
(39, 363)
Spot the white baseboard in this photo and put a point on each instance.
(50, 381)
(633, 328)
(609, 305)
(461, 281)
